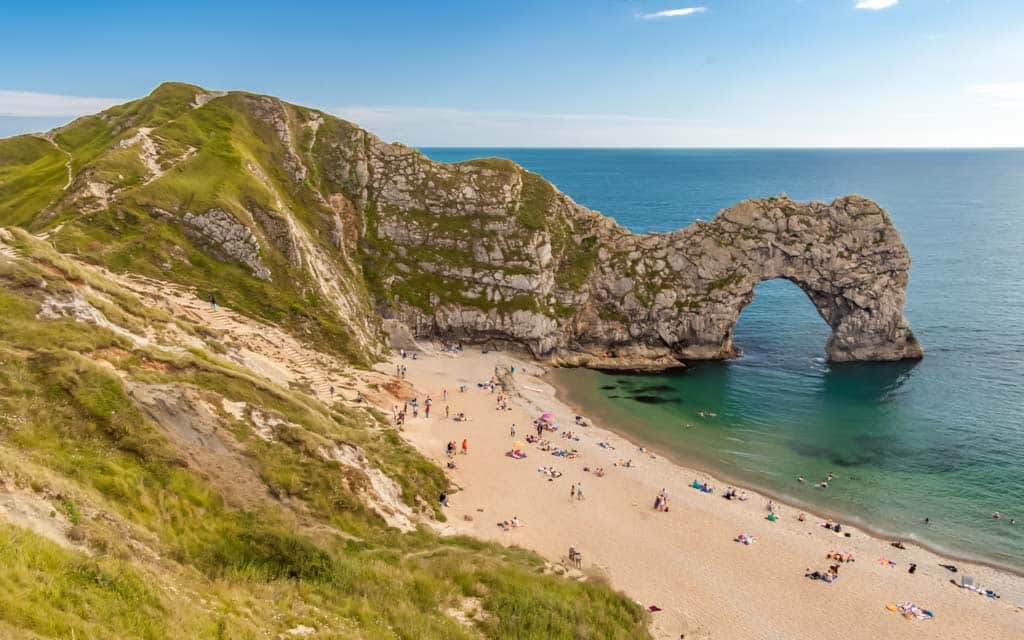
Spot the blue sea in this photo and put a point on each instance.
(942, 438)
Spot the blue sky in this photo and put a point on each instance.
(550, 72)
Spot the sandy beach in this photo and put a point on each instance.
(684, 561)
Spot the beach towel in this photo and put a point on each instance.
(911, 611)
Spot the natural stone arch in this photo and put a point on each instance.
(484, 251)
(684, 291)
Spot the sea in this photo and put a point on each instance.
(941, 439)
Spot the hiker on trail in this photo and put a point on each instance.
(213, 302)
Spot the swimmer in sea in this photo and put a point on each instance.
(801, 479)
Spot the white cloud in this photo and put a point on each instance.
(28, 104)
(673, 13)
(876, 5)
(999, 91)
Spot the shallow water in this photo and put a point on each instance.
(943, 438)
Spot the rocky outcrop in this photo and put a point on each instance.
(485, 251)
(224, 235)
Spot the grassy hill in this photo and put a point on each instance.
(154, 481)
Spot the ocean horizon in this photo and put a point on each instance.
(938, 439)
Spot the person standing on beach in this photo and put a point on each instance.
(572, 492)
(512, 431)
(465, 446)
(579, 490)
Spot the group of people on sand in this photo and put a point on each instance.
(508, 525)
(451, 448)
(575, 557)
(829, 576)
(661, 500)
(730, 494)
(576, 491)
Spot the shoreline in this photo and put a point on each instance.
(723, 477)
(686, 562)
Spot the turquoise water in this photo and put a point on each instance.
(943, 438)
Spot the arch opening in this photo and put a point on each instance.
(780, 322)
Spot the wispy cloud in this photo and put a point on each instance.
(29, 104)
(1000, 93)
(876, 5)
(673, 13)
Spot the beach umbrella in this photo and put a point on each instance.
(547, 417)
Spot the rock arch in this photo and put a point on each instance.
(846, 256)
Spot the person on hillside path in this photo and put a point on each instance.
(332, 391)
(213, 302)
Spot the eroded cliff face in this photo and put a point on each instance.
(484, 251)
(316, 223)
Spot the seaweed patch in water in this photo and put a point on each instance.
(658, 388)
(649, 399)
(608, 387)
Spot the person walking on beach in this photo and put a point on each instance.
(465, 446)
(512, 431)
(579, 490)
(572, 492)
(444, 394)
(447, 411)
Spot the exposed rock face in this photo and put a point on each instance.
(486, 251)
(225, 235)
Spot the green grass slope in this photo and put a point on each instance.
(158, 546)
